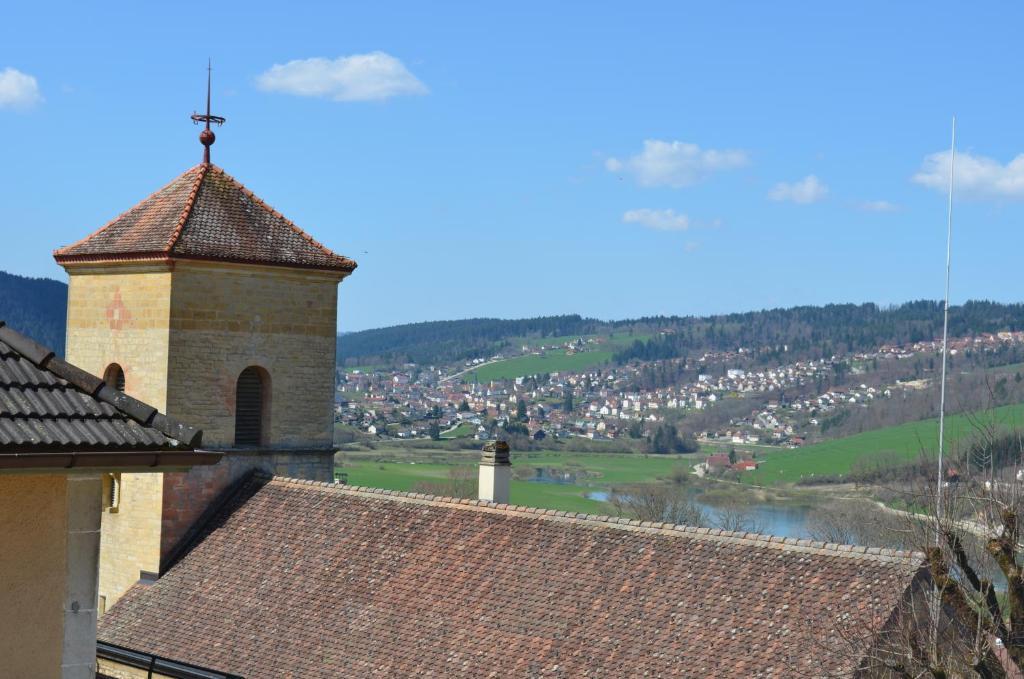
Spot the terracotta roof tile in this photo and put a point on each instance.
(204, 214)
(319, 580)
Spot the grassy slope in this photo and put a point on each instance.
(609, 470)
(464, 430)
(554, 361)
(904, 441)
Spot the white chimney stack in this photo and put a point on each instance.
(495, 472)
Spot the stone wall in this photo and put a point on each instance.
(227, 317)
(33, 526)
(183, 332)
(119, 314)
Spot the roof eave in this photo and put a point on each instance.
(342, 269)
(135, 460)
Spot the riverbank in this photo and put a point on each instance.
(583, 482)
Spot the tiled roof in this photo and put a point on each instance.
(298, 578)
(51, 412)
(204, 214)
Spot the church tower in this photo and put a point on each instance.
(214, 308)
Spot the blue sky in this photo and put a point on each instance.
(609, 159)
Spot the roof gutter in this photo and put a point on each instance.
(155, 665)
(123, 459)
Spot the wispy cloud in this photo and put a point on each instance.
(18, 90)
(691, 246)
(975, 176)
(676, 164)
(878, 206)
(810, 189)
(661, 220)
(360, 77)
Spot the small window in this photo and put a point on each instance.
(112, 492)
(251, 407)
(114, 376)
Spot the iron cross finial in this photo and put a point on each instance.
(207, 137)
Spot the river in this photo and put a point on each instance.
(771, 519)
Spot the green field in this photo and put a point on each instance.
(554, 361)
(464, 430)
(904, 442)
(602, 471)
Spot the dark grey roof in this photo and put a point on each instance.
(48, 405)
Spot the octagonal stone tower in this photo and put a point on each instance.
(211, 306)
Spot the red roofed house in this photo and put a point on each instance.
(745, 465)
(718, 461)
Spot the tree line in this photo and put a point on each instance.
(775, 335)
(437, 342)
(36, 307)
(808, 332)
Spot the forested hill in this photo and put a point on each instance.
(36, 307)
(820, 332)
(804, 332)
(445, 341)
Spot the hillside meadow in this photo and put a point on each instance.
(900, 443)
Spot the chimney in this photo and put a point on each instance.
(495, 472)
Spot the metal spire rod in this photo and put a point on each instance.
(209, 79)
(945, 333)
(206, 137)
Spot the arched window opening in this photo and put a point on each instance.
(114, 376)
(252, 400)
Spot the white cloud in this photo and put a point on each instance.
(878, 206)
(18, 90)
(661, 220)
(807, 190)
(974, 176)
(675, 163)
(691, 246)
(360, 77)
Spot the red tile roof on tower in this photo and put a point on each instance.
(306, 579)
(204, 214)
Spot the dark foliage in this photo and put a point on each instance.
(666, 439)
(446, 341)
(820, 332)
(36, 307)
(776, 335)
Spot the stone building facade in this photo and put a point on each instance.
(184, 292)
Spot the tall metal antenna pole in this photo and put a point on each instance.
(945, 334)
